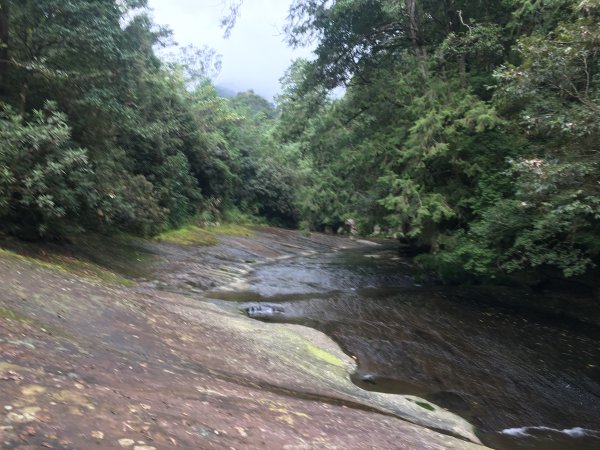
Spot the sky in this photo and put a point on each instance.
(253, 57)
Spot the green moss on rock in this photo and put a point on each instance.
(324, 356)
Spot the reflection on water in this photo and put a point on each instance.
(525, 382)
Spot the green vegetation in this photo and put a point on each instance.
(98, 134)
(11, 315)
(70, 264)
(426, 406)
(324, 356)
(468, 129)
(188, 235)
(203, 236)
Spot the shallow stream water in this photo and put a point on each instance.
(525, 381)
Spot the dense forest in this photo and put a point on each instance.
(469, 129)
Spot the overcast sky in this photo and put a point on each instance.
(254, 57)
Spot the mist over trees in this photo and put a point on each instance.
(467, 128)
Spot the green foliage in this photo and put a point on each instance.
(265, 171)
(196, 235)
(412, 209)
(321, 200)
(480, 47)
(555, 97)
(531, 16)
(155, 133)
(132, 204)
(44, 180)
(469, 128)
(188, 235)
(472, 130)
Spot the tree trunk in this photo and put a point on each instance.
(415, 33)
(414, 28)
(3, 42)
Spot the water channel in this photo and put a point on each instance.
(525, 381)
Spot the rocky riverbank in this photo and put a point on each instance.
(147, 363)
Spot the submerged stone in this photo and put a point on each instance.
(264, 311)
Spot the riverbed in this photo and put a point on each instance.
(90, 358)
(523, 379)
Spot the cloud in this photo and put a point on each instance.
(254, 57)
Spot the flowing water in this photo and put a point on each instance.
(525, 381)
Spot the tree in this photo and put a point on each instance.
(45, 181)
(265, 171)
(554, 95)
(4, 43)
(150, 144)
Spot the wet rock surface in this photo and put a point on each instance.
(525, 379)
(87, 364)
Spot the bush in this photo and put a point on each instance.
(45, 182)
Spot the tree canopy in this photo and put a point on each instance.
(466, 128)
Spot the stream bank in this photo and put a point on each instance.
(150, 364)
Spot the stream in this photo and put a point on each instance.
(524, 380)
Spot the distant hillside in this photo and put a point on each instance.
(225, 92)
